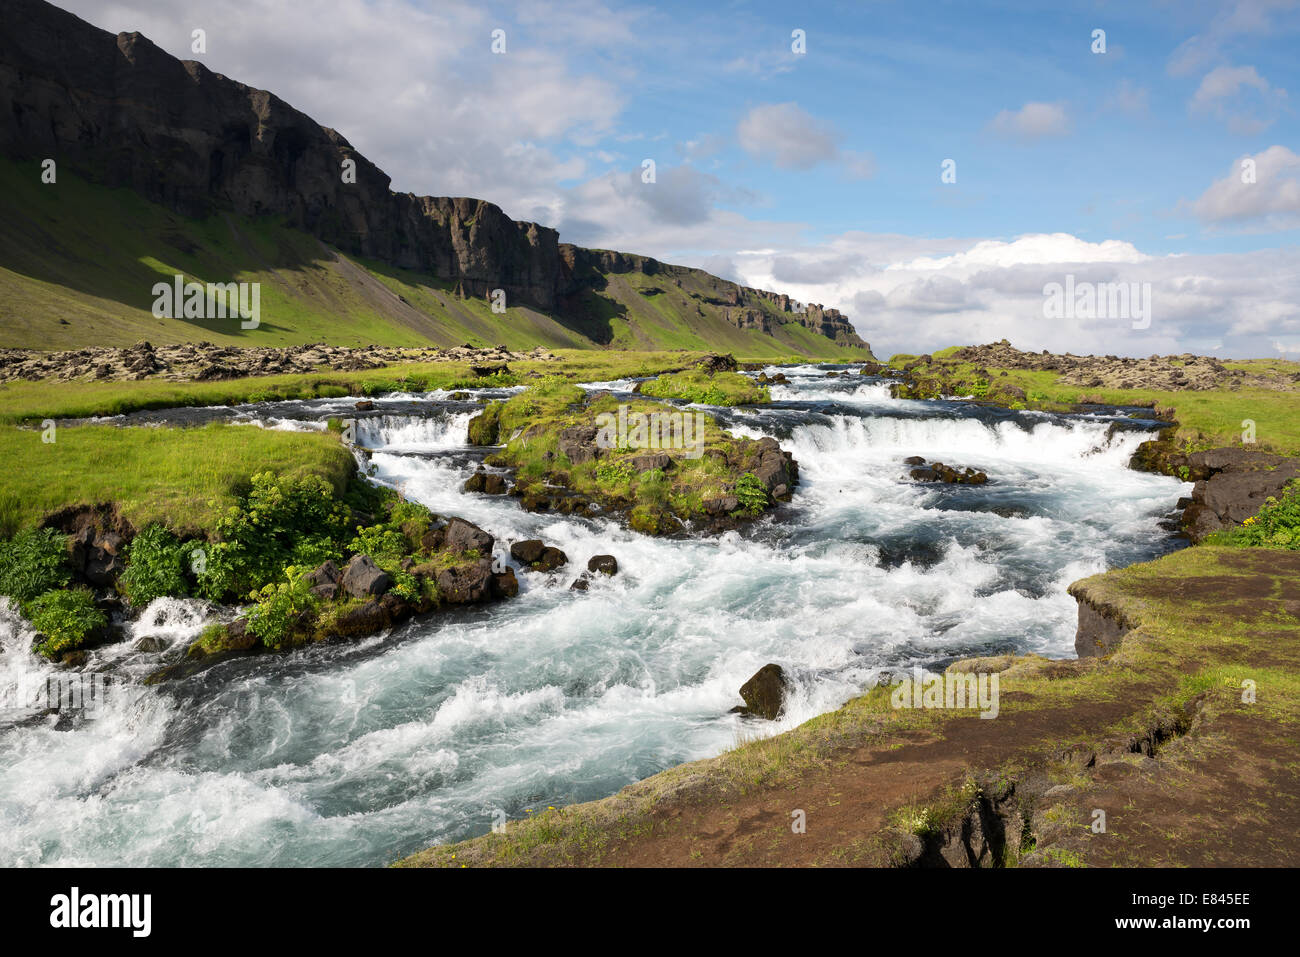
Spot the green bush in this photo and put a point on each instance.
(156, 565)
(32, 563)
(750, 491)
(281, 607)
(280, 522)
(1277, 525)
(65, 617)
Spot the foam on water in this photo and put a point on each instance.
(361, 753)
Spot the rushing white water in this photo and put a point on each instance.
(358, 754)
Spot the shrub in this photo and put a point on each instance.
(614, 473)
(281, 607)
(65, 617)
(33, 563)
(750, 491)
(156, 566)
(280, 522)
(1277, 525)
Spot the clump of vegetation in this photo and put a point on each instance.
(32, 563)
(279, 523)
(721, 388)
(156, 566)
(1276, 525)
(750, 491)
(282, 608)
(645, 460)
(66, 617)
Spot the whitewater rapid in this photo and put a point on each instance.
(359, 754)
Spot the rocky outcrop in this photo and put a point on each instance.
(124, 113)
(1101, 628)
(1163, 373)
(1232, 485)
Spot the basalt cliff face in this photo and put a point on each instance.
(121, 112)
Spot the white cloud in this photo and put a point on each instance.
(787, 135)
(792, 139)
(962, 291)
(1032, 121)
(1270, 202)
(1224, 94)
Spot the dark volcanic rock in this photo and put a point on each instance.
(766, 692)
(527, 551)
(362, 578)
(462, 536)
(465, 584)
(605, 564)
(1236, 484)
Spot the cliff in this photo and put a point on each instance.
(121, 112)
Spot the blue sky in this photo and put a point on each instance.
(819, 173)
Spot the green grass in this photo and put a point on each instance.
(182, 478)
(722, 388)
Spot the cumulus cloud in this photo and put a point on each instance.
(1032, 121)
(982, 290)
(1225, 94)
(792, 139)
(1260, 191)
(786, 135)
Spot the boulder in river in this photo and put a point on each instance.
(766, 692)
(605, 564)
(463, 536)
(466, 584)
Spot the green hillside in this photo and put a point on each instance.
(78, 263)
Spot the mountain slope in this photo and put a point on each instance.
(165, 167)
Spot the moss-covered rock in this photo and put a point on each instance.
(659, 466)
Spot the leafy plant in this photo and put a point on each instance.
(65, 617)
(280, 522)
(156, 567)
(281, 606)
(614, 473)
(750, 492)
(33, 562)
